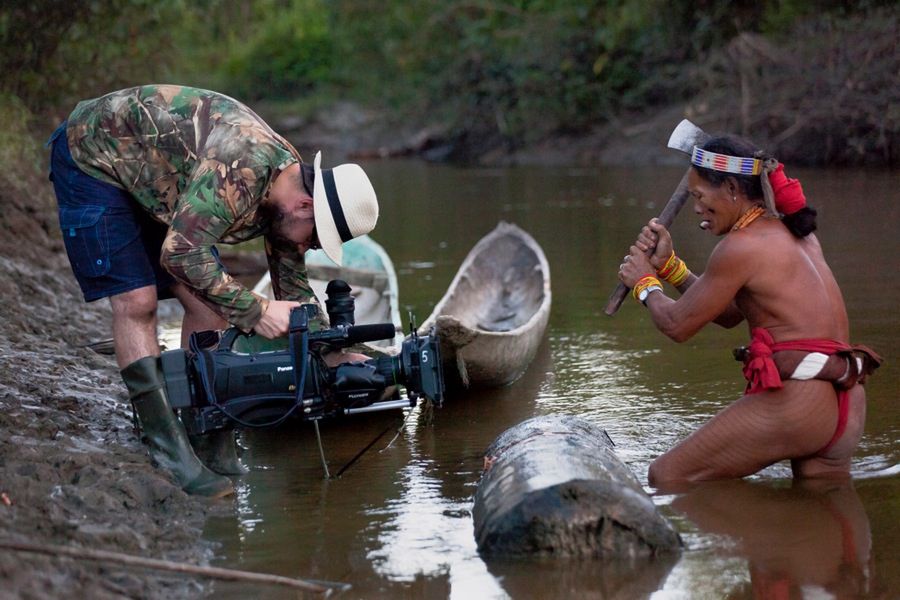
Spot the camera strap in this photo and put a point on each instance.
(298, 327)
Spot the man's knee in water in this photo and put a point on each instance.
(661, 472)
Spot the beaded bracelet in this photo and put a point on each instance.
(645, 282)
(675, 270)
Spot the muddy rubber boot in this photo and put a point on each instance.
(218, 451)
(165, 434)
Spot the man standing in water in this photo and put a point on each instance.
(147, 180)
(804, 400)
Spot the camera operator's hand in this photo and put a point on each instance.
(333, 359)
(275, 320)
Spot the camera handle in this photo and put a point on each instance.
(230, 336)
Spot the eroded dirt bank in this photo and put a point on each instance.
(71, 470)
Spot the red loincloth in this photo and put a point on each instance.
(762, 374)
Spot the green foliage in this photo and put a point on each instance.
(494, 72)
(54, 52)
(507, 70)
(288, 52)
(20, 151)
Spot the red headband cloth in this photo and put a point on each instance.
(788, 192)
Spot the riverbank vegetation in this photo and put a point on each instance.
(814, 81)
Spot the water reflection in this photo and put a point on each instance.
(426, 530)
(586, 579)
(609, 391)
(802, 539)
(427, 534)
(397, 523)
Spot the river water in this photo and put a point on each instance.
(397, 523)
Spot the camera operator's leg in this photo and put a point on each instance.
(197, 316)
(165, 434)
(137, 352)
(134, 325)
(113, 246)
(217, 449)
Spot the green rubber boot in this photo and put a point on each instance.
(218, 451)
(165, 434)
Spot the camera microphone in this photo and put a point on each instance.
(370, 333)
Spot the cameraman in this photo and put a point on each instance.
(148, 180)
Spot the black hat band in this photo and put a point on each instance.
(334, 203)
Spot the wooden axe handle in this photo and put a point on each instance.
(666, 217)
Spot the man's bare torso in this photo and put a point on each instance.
(789, 290)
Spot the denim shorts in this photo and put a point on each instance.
(113, 245)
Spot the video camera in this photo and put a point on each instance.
(214, 386)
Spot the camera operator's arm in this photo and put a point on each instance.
(290, 280)
(201, 218)
(275, 322)
(335, 358)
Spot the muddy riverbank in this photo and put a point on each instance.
(71, 470)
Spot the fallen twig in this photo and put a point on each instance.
(165, 565)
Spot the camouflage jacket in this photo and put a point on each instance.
(201, 163)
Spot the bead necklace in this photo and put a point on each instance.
(748, 217)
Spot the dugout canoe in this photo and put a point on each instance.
(493, 316)
(553, 486)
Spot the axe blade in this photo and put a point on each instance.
(685, 136)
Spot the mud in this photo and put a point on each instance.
(71, 470)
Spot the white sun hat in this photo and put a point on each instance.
(344, 205)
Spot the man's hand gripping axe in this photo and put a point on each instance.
(683, 138)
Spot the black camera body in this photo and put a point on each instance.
(214, 386)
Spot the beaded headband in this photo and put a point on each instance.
(725, 163)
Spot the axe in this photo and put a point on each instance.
(683, 138)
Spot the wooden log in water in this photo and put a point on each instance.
(553, 486)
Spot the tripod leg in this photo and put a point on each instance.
(321, 449)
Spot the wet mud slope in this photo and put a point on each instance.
(71, 470)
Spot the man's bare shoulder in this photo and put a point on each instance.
(740, 253)
(764, 237)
